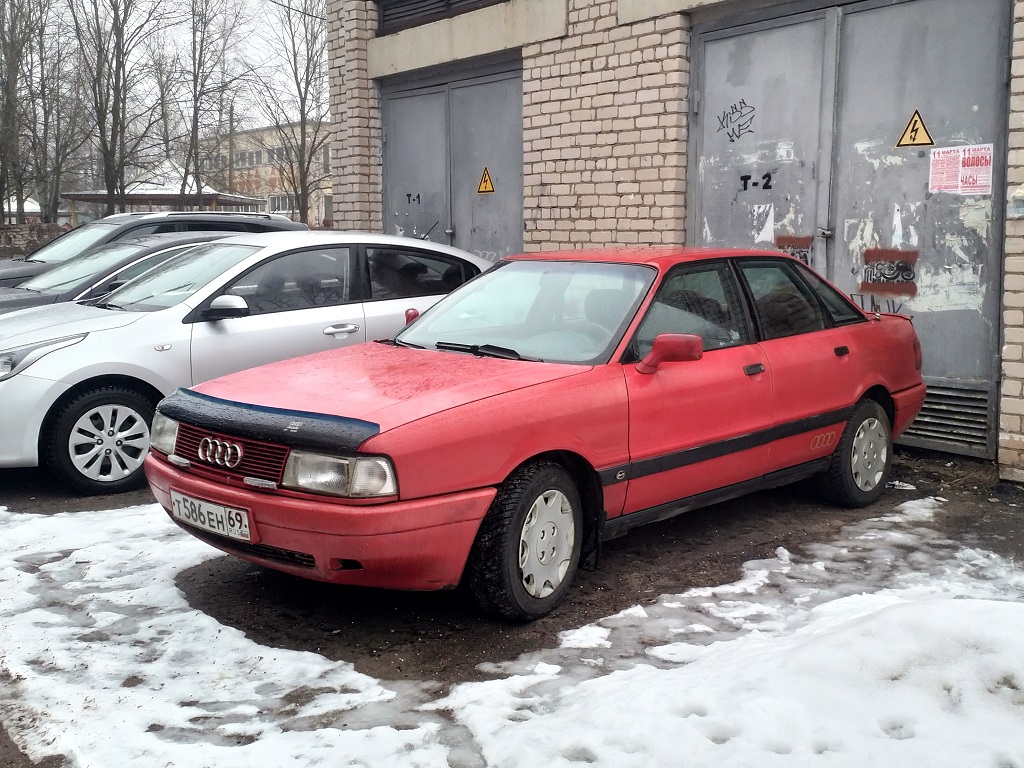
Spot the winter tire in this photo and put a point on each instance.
(98, 441)
(860, 466)
(527, 551)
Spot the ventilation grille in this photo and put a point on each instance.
(401, 14)
(954, 421)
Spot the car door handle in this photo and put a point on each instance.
(753, 370)
(334, 330)
(842, 351)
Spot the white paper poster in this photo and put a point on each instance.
(961, 170)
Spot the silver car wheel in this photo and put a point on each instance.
(870, 454)
(546, 543)
(109, 442)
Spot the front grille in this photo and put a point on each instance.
(262, 551)
(262, 460)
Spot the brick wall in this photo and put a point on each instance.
(356, 149)
(1011, 410)
(20, 239)
(604, 131)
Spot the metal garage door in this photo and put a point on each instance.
(453, 163)
(867, 139)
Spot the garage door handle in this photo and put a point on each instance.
(753, 370)
(333, 330)
(842, 351)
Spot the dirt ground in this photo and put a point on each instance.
(441, 637)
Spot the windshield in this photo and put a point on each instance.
(73, 243)
(556, 311)
(175, 280)
(73, 271)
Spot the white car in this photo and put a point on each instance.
(79, 384)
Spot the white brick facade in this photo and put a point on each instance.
(604, 131)
(1011, 405)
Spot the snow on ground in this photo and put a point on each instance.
(890, 646)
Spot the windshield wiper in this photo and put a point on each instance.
(108, 305)
(481, 350)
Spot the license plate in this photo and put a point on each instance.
(216, 518)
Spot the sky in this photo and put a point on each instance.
(892, 645)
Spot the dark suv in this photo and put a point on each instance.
(123, 226)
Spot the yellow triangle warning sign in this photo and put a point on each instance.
(915, 134)
(486, 186)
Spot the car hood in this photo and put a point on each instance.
(18, 298)
(13, 271)
(381, 384)
(55, 321)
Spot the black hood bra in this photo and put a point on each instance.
(298, 429)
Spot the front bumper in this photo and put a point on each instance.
(419, 545)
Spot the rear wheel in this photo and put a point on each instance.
(98, 441)
(528, 549)
(860, 466)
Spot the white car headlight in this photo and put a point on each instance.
(16, 359)
(163, 434)
(355, 477)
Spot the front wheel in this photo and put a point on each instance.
(528, 548)
(860, 466)
(98, 441)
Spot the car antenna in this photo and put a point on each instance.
(424, 235)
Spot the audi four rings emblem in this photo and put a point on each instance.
(824, 440)
(217, 452)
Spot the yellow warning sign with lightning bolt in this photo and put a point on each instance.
(915, 134)
(486, 186)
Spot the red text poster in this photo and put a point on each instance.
(961, 170)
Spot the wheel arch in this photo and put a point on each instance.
(143, 388)
(588, 483)
(881, 395)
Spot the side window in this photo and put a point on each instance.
(399, 274)
(785, 306)
(701, 299)
(215, 226)
(149, 229)
(843, 310)
(296, 280)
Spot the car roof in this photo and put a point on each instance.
(660, 256)
(314, 238)
(158, 242)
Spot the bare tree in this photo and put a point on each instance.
(17, 19)
(57, 105)
(113, 35)
(211, 70)
(294, 98)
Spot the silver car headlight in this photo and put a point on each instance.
(163, 434)
(16, 359)
(353, 477)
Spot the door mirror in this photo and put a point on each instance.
(411, 314)
(671, 348)
(226, 306)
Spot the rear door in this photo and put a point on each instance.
(300, 302)
(816, 362)
(703, 424)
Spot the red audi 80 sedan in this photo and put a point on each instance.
(551, 403)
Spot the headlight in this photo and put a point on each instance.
(357, 477)
(163, 433)
(17, 359)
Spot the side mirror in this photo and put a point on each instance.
(226, 306)
(411, 314)
(672, 348)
